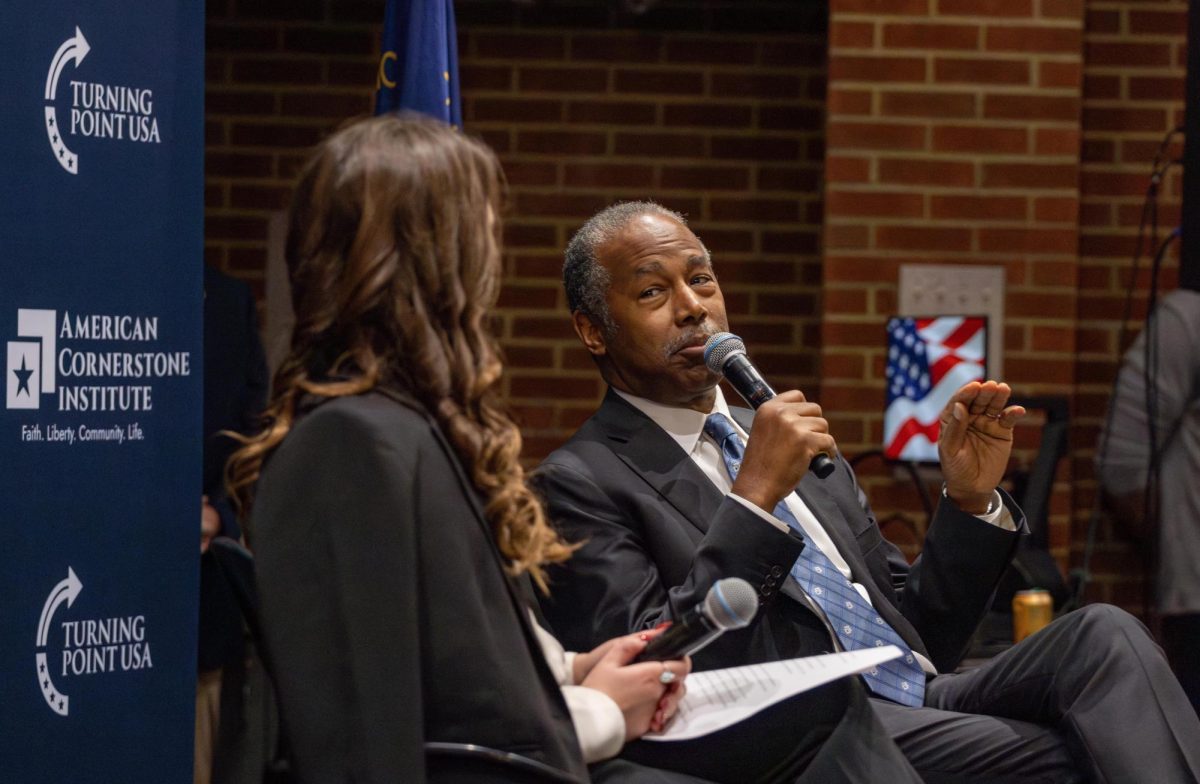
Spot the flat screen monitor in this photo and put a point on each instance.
(928, 360)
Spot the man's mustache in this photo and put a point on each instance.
(691, 337)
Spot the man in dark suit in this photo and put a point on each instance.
(666, 492)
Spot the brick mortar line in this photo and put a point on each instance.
(672, 100)
(1123, 103)
(956, 53)
(611, 66)
(1058, 22)
(951, 223)
(943, 122)
(976, 190)
(1141, 70)
(940, 87)
(990, 55)
(966, 87)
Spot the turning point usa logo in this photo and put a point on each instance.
(85, 647)
(53, 356)
(94, 109)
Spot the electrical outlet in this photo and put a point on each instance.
(958, 290)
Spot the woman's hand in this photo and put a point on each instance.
(210, 523)
(638, 689)
(584, 662)
(669, 704)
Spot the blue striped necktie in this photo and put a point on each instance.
(854, 621)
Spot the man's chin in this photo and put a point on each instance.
(699, 381)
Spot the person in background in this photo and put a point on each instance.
(235, 391)
(1123, 465)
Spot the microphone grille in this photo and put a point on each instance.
(719, 348)
(731, 603)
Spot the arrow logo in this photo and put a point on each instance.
(65, 591)
(76, 49)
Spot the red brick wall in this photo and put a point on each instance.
(724, 128)
(953, 137)
(1016, 133)
(1012, 132)
(585, 106)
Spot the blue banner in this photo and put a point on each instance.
(101, 211)
(418, 68)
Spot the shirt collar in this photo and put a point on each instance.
(685, 425)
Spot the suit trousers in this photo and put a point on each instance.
(829, 735)
(1088, 698)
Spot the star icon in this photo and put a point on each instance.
(23, 378)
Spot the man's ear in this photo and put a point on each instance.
(590, 333)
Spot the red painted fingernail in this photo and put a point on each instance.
(663, 625)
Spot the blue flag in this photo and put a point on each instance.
(418, 69)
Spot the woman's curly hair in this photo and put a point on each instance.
(393, 252)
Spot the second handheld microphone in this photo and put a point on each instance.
(730, 604)
(725, 355)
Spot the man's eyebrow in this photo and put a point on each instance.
(656, 267)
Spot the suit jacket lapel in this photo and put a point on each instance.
(823, 507)
(656, 459)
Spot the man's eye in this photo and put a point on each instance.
(646, 294)
(700, 280)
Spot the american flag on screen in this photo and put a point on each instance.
(928, 360)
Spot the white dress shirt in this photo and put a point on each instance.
(599, 723)
(686, 427)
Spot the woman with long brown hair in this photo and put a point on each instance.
(390, 513)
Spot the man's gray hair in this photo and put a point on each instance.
(585, 279)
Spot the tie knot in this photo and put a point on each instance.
(718, 427)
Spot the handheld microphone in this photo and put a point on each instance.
(725, 355)
(730, 604)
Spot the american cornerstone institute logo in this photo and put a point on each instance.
(94, 109)
(77, 648)
(88, 363)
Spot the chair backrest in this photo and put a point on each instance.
(456, 763)
(1038, 482)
